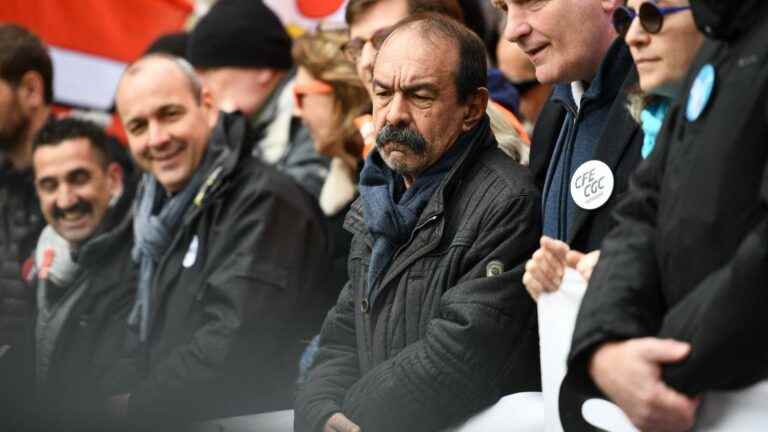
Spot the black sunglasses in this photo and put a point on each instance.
(651, 17)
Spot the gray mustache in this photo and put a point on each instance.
(402, 135)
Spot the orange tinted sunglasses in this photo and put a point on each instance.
(313, 87)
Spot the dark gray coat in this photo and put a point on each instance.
(446, 335)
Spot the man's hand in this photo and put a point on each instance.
(544, 271)
(340, 423)
(629, 373)
(583, 263)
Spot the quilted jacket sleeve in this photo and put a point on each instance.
(334, 370)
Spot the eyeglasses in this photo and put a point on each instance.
(354, 47)
(651, 17)
(312, 87)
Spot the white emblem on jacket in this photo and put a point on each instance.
(592, 184)
(191, 256)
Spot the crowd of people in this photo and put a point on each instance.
(357, 224)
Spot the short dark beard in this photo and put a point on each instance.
(12, 139)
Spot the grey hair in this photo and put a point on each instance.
(193, 80)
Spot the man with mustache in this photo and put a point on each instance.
(435, 323)
(26, 92)
(229, 252)
(84, 279)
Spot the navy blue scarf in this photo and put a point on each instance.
(390, 211)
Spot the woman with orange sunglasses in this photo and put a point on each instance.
(329, 97)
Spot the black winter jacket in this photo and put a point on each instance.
(20, 225)
(448, 333)
(92, 339)
(235, 291)
(688, 259)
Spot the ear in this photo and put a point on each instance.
(31, 91)
(115, 179)
(475, 109)
(209, 107)
(610, 5)
(264, 76)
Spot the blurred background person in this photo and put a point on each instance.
(243, 54)
(26, 93)
(328, 97)
(518, 69)
(369, 24)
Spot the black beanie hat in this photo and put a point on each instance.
(242, 33)
(170, 43)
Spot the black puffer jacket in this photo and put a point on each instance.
(20, 225)
(235, 291)
(446, 335)
(688, 258)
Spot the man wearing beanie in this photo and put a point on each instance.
(243, 53)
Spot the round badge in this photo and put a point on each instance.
(701, 91)
(191, 256)
(592, 184)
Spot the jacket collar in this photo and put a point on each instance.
(117, 219)
(354, 223)
(271, 108)
(230, 139)
(606, 85)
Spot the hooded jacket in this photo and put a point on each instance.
(688, 258)
(451, 328)
(234, 292)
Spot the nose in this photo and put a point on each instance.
(65, 196)
(397, 111)
(636, 34)
(157, 135)
(517, 26)
(365, 61)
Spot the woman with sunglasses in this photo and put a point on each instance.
(329, 97)
(663, 40)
